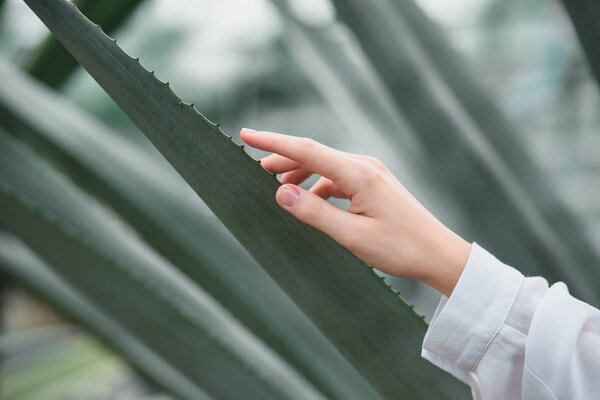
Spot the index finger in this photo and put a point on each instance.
(311, 155)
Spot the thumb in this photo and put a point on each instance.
(317, 212)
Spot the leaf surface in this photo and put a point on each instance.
(366, 321)
(166, 212)
(585, 15)
(18, 261)
(52, 64)
(91, 250)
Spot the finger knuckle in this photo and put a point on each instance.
(375, 162)
(307, 144)
(371, 174)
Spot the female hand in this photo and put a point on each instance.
(385, 226)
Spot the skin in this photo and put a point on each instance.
(385, 226)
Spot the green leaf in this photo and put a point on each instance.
(52, 64)
(585, 15)
(365, 320)
(167, 213)
(58, 367)
(474, 149)
(325, 53)
(174, 318)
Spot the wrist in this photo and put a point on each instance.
(449, 262)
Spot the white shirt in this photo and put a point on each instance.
(511, 337)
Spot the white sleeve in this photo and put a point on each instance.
(511, 337)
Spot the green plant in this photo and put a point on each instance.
(52, 63)
(173, 220)
(585, 14)
(186, 329)
(313, 269)
(125, 246)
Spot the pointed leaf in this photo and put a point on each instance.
(117, 272)
(365, 320)
(18, 261)
(52, 64)
(173, 220)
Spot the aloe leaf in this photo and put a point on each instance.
(19, 262)
(585, 15)
(92, 251)
(52, 64)
(338, 69)
(473, 148)
(365, 320)
(174, 221)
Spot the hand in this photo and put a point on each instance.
(385, 226)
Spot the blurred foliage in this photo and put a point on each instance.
(472, 146)
(171, 218)
(585, 15)
(45, 357)
(240, 193)
(243, 63)
(52, 63)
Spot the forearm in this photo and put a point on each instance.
(511, 337)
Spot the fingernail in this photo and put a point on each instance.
(287, 196)
(250, 131)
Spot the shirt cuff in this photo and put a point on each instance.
(464, 324)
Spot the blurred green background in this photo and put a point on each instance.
(240, 63)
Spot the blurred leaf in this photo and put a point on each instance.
(65, 365)
(585, 15)
(173, 220)
(18, 261)
(198, 344)
(475, 150)
(51, 62)
(354, 93)
(367, 322)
